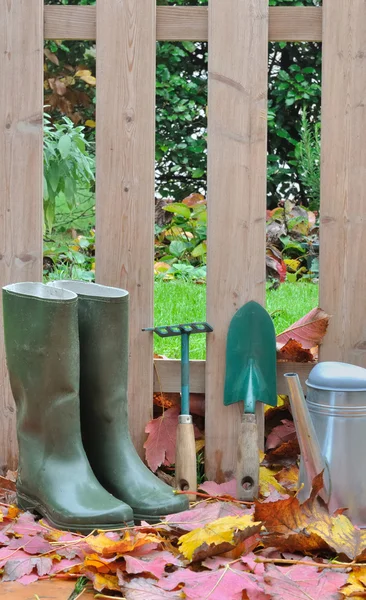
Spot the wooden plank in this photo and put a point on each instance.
(174, 23)
(167, 375)
(70, 22)
(343, 181)
(295, 24)
(44, 590)
(125, 181)
(21, 103)
(237, 170)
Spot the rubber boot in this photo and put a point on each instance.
(42, 350)
(103, 329)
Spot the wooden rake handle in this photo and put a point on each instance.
(185, 458)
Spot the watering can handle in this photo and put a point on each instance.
(247, 473)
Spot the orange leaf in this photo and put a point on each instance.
(104, 546)
(294, 352)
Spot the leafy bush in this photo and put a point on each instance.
(307, 154)
(68, 165)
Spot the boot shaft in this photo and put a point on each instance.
(42, 352)
(103, 332)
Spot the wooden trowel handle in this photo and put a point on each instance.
(185, 457)
(247, 473)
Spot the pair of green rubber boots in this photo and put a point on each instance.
(67, 355)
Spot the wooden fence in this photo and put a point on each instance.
(238, 32)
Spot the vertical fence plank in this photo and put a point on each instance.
(343, 180)
(21, 102)
(237, 138)
(126, 40)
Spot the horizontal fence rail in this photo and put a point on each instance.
(174, 23)
(167, 375)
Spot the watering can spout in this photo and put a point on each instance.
(313, 463)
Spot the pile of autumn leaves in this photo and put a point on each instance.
(221, 549)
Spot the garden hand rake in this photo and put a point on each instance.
(185, 458)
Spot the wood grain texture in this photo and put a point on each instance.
(176, 23)
(70, 22)
(185, 460)
(125, 181)
(237, 170)
(44, 590)
(247, 468)
(167, 375)
(343, 181)
(21, 162)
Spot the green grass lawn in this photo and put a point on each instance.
(180, 302)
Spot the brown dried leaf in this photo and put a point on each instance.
(294, 352)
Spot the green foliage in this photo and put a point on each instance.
(307, 153)
(68, 165)
(181, 106)
(180, 246)
(66, 259)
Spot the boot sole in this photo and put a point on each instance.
(27, 504)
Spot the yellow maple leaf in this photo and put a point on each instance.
(356, 583)
(267, 480)
(90, 123)
(106, 582)
(218, 533)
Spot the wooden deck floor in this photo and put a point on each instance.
(45, 590)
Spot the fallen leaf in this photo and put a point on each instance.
(294, 352)
(7, 484)
(204, 514)
(288, 478)
(219, 489)
(309, 331)
(215, 585)
(356, 582)
(285, 455)
(217, 537)
(162, 437)
(267, 481)
(285, 522)
(280, 434)
(154, 564)
(105, 582)
(16, 568)
(131, 540)
(303, 583)
(145, 589)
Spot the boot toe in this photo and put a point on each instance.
(154, 509)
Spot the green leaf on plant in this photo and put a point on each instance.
(64, 146)
(200, 250)
(178, 208)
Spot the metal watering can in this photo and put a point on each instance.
(331, 429)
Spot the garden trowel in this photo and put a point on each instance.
(250, 378)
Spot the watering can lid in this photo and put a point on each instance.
(337, 377)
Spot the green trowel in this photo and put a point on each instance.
(250, 378)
